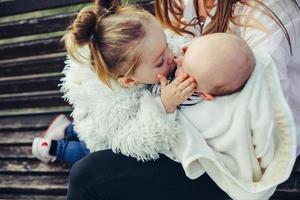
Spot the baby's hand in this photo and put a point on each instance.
(176, 92)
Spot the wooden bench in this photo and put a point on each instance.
(31, 61)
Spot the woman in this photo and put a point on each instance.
(104, 175)
(273, 25)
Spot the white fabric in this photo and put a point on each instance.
(246, 142)
(274, 43)
(177, 42)
(124, 120)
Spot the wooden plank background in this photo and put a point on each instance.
(31, 61)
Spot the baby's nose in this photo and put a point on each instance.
(170, 61)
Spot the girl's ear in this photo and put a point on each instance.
(126, 82)
(206, 96)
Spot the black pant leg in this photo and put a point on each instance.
(105, 175)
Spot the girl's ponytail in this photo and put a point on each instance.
(86, 30)
(79, 34)
(83, 27)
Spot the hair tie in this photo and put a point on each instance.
(111, 10)
(92, 37)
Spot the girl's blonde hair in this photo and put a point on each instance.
(113, 35)
(173, 9)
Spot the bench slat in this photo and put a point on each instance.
(18, 137)
(32, 100)
(16, 152)
(22, 6)
(31, 197)
(30, 48)
(47, 63)
(41, 184)
(35, 111)
(42, 82)
(31, 167)
(36, 25)
(26, 122)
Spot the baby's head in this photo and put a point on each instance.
(126, 44)
(220, 63)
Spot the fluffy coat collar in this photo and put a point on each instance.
(126, 120)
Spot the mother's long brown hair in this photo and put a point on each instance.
(170, 12)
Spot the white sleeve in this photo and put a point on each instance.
(171, 116)
(177, 42)
(274, 42)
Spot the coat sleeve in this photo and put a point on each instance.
(147, 132)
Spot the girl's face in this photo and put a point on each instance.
(156, 57)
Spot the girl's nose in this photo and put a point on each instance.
(170, 60)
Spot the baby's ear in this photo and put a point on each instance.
(126, 82)
(206, 96)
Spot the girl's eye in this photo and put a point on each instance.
(161, 63)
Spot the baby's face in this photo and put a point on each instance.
(185, 64)
(219, 63)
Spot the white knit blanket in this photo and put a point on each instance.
(246, 142)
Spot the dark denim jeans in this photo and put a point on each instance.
(70, 149)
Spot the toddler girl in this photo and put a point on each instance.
(114, 54)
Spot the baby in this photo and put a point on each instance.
(220, 63)
(235, 137)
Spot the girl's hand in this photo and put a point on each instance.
(176, 92)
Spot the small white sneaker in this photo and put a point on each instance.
(56, 130)
(40, 149)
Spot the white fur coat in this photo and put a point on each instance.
(125, 120)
